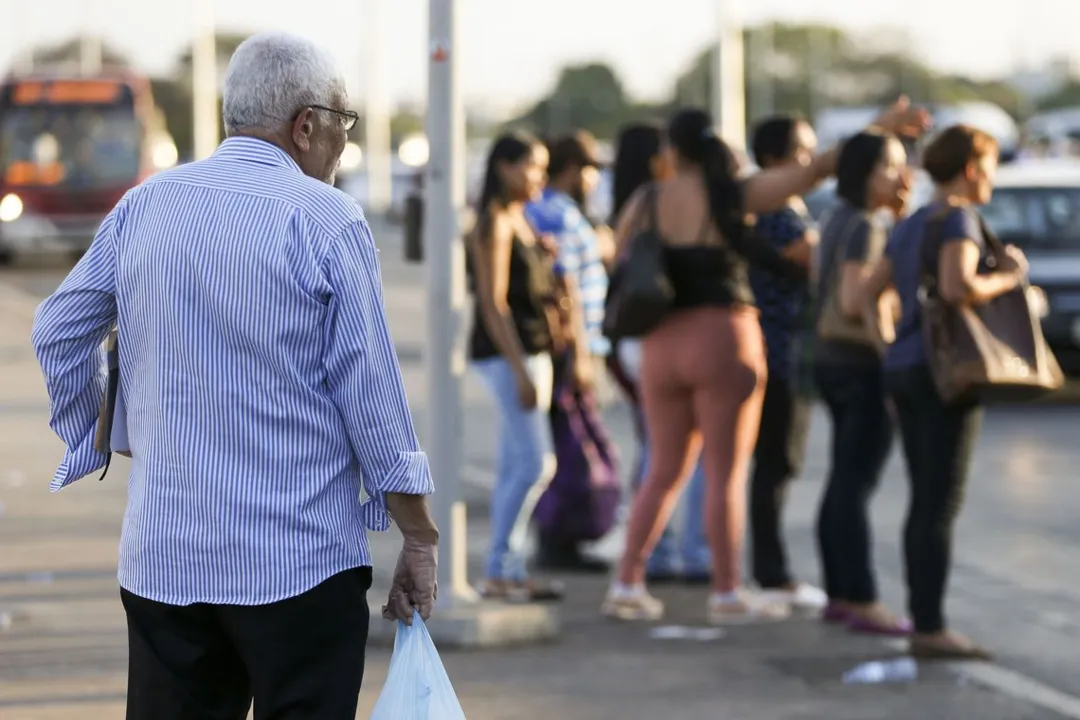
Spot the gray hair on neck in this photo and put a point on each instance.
(273, 75)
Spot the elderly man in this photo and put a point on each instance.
(262, 393)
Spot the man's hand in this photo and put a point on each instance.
(415, 585)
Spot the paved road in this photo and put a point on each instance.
(1016, 586)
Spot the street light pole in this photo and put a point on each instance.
(90, 50)
(204, 80)
(444, 187)
(377, 112)
(729, 75)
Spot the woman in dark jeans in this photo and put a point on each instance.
(871, 174)
(939, 437)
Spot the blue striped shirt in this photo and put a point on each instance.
(261, 384)
(557, 214)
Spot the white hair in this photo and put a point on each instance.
(272, 76)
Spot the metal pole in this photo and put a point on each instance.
(762, 51)
(729, 75)
(204, 80)
(90, 50)
(22, 62)
(377, 151)
(444, 187)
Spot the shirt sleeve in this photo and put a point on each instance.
(782, 229)
(569, 239)
(364, 377)
(857, 243)
(962, 224)
(69, 329)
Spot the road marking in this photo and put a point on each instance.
(1011, 684)
(1020, 687)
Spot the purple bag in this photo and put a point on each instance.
(581, 503)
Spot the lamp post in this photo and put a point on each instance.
(444, 188)
(729, 75)
(204, 80)
(377, 151)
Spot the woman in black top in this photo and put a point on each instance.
(511, 345)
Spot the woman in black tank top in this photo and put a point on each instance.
(510, 346)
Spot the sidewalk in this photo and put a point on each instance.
(63, 644)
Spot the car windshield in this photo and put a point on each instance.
(74, 147)
(1036, 218)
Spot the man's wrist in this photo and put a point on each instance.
(411, 515)
(427, 536)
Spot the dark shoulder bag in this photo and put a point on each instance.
(994, 352)
(640, 292)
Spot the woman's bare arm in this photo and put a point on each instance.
(491, 247)
(877, 303)
(959, 281)
(631, 219)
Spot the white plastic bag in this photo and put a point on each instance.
(417, 686)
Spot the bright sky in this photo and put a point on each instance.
(512, 49)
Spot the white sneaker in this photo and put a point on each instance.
(805, 599)
(748, 607)
(632, 604)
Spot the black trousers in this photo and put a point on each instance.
(939, 441)
(778, 459)
(862, 436)
(300, 658)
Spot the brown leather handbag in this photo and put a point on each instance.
(833, 324)
(993, 352)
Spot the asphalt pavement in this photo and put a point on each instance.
(1015, 586)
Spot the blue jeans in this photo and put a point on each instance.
(526, 461)
(665, 559)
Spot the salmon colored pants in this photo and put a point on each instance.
(703, 380)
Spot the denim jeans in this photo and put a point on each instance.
(861, 439)
(526, 461)
(693, 556)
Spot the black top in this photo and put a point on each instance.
(707, 275)
(530, 287)
(716, 275)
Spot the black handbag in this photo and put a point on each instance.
(640, 292)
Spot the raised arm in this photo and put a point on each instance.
(768, 190)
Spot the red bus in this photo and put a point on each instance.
(70, 147)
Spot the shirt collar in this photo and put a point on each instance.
(255, 150)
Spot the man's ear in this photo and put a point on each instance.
(303, 128)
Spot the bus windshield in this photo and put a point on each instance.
(74, 147)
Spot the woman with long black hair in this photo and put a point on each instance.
(641, 159)
(511, 347)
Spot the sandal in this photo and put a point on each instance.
(876, 620)
(531, 590)
(947, 646)
(632, 605)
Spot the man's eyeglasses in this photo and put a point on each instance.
(349, 118)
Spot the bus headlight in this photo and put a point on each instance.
(11, 208)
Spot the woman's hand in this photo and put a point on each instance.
(526, 391)
(1015, 261)
(905, 120)
(583, 371)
